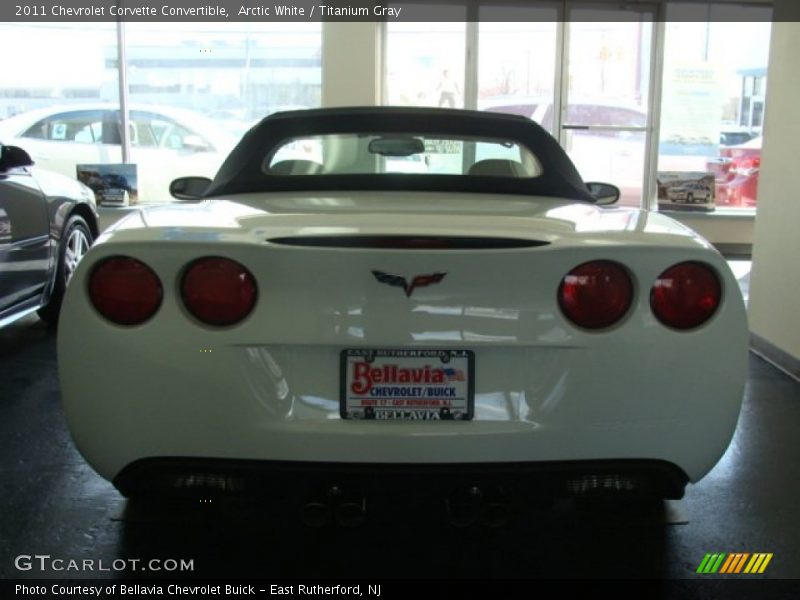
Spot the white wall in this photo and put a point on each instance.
(351, 64)
(775, 279)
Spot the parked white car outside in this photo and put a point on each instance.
(166, 142)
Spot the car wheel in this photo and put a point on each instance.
(76, 240)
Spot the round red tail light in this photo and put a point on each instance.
(125, 290)
(218, 291)
(686, 295)
(596, 294)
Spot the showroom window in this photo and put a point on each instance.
(587, 82)
(59, 106)
(517, 61)
(604, 118)
(590, 75)
(195, 89)
(422, 64)
(712, 109)
(192, 92)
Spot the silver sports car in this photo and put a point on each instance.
(47, 223)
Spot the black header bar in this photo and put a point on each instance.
(256, 11)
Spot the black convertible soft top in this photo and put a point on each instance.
(242, 170)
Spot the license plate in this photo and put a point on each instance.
(407, 385)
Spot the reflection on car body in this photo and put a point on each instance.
(5, 226)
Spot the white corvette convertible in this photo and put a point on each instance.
(322, 315)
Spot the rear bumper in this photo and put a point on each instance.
(210, 477)
(280, 404)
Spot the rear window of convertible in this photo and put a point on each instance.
(375, 154)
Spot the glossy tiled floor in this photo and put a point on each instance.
(51, 502)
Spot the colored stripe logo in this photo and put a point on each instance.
(734, 563)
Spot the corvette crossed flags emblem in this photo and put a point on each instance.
(401, 282)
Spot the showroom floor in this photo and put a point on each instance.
(53, 503)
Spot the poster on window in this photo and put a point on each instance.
(681, 190)
(691, 111)
(113, 184)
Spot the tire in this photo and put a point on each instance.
(75, 242)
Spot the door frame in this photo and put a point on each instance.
(656, 11)
(563, 8)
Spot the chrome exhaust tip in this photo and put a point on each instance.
(346, 509)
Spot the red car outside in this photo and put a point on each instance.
(736, 174)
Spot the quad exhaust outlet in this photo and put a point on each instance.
(344, 508)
